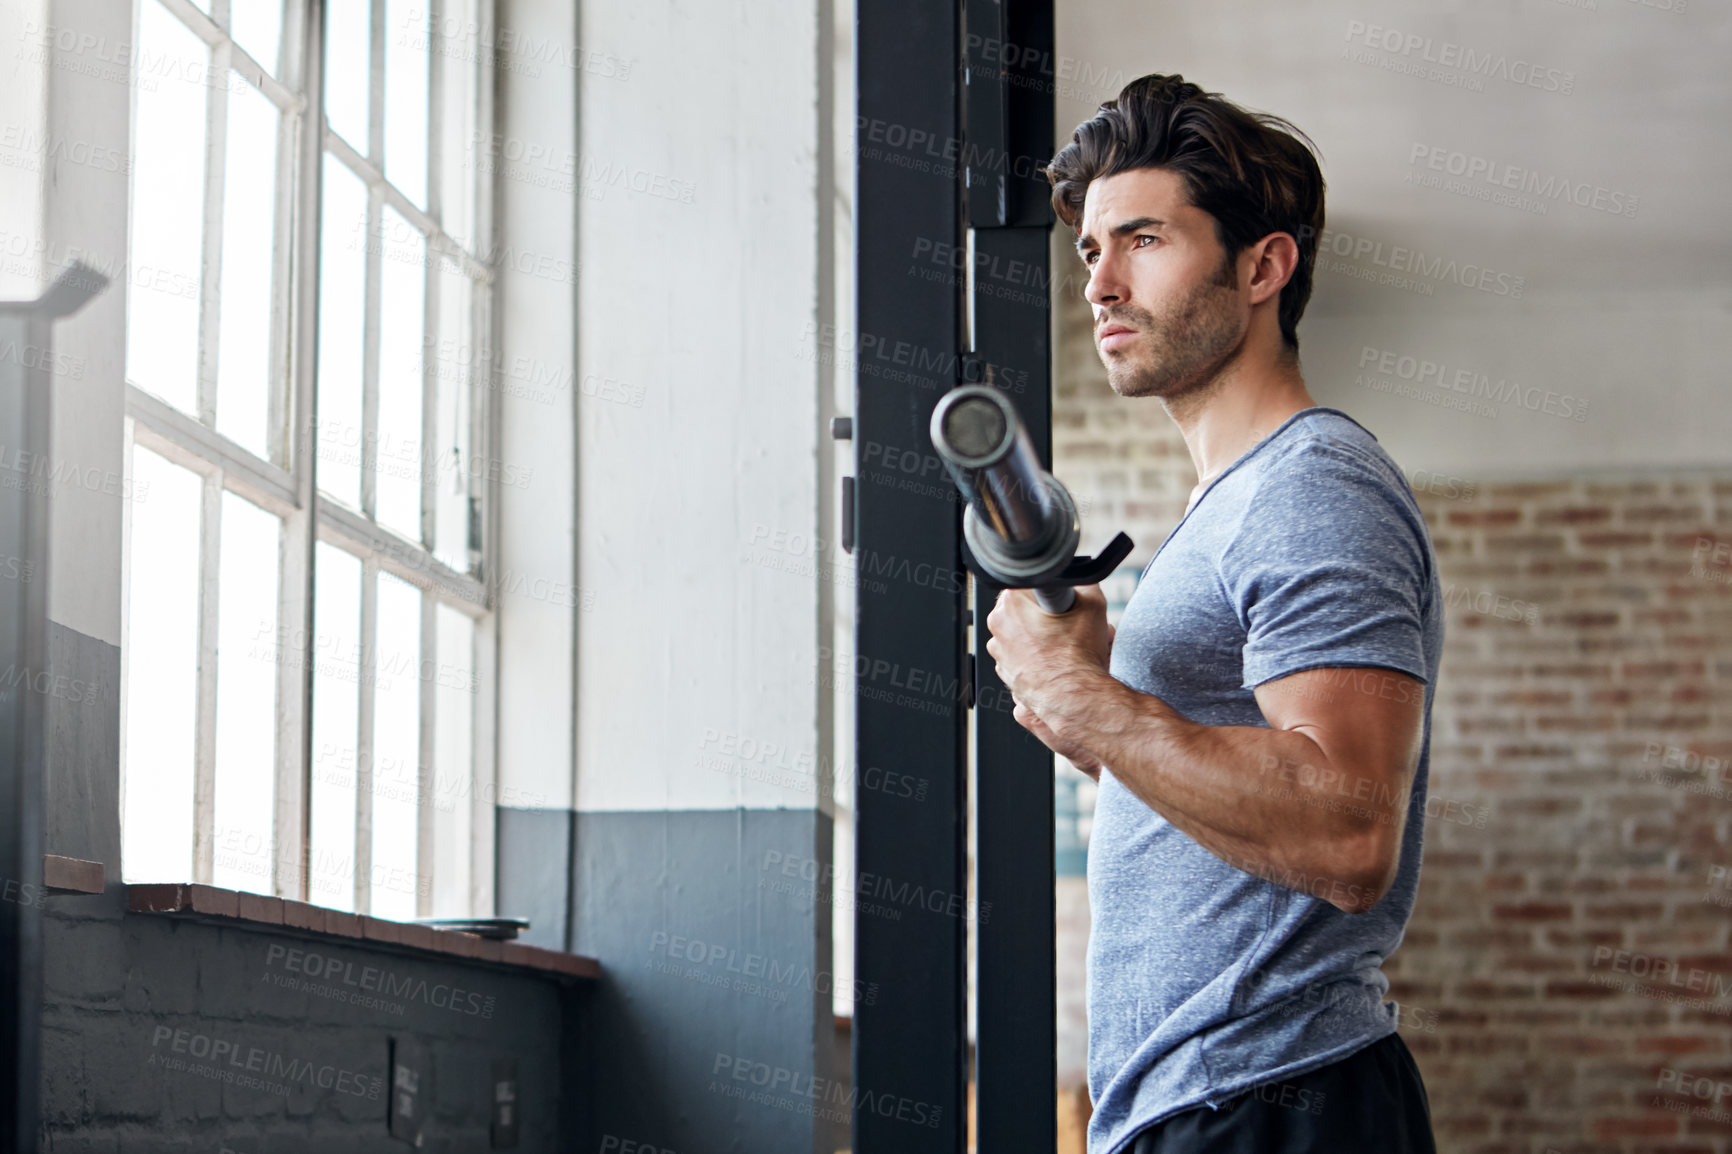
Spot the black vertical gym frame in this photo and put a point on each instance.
(954, 117)
(1009, 129)
(25, 415)
(909, 1043)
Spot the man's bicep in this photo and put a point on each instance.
(1368, 722)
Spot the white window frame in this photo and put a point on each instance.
(285, 484)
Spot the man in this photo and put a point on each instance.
(1260, 728)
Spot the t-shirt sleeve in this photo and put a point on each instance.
(1329, 567)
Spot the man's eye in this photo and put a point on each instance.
(1143, 237)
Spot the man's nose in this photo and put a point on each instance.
(1105, 286)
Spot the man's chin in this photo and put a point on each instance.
(1143, 380)
(1127, 381)
(1133, 387)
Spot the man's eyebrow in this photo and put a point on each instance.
(1086, 242)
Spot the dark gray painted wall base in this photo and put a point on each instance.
(533, 862)
(714, 1016)
(150, 1026)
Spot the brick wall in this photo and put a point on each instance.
(1582, 715)
(1567, 970)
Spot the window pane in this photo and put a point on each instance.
(257, 26)
(348, 51)
(246, 720)
(167, 212)
(458, 89)
(396, 749)
(161, 671)
(402, 329)
(249, 212)
(454, 696)
(406, 77)
(336, 657)
(342, 325)
(452, 354)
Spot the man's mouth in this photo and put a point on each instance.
(1112, 336)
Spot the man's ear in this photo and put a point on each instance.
(1275, 258)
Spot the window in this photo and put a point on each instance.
(304, 583)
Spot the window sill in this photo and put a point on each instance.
(70, 875)
(298, 919)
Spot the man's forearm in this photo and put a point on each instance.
(1268, 801)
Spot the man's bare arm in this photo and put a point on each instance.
(1316, 802)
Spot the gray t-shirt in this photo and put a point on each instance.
(1203, 980)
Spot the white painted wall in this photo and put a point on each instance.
(1628, 313)
(702, 259)
(22, 123)
(64, 125)
(532, 159)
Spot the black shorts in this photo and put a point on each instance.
(1371, 1101)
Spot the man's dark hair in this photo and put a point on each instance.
(1254, 173)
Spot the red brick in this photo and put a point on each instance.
(1480, 518)
(1574, 515)
(1485, 1044)
(1579, 671)
(1535, 751)
(1625, 912)
(1477, 989)
(1437, 859)
(381, 930)
(1527, 1016)
(343, 924)
(156, 898)
(1647, 514)
(1586, 619)
(1595, 937)
(1533, 912)
(1584, 990)
(1481, 937)
(1625, 539)
(421, 937)
(1577, 885)
(71, 875)
(1680, 1044)
(1524, 543)
(1668, 722)
(1525, 490)
(302, 916)
(1534, 859)
(1634, 670)
(1538, 806)
(1538, 964)
(260, 908)
(213, 900)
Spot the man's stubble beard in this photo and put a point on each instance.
(1182, 352)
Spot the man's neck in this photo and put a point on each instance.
(1241, 406)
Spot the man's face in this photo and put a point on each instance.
(1167, 304)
